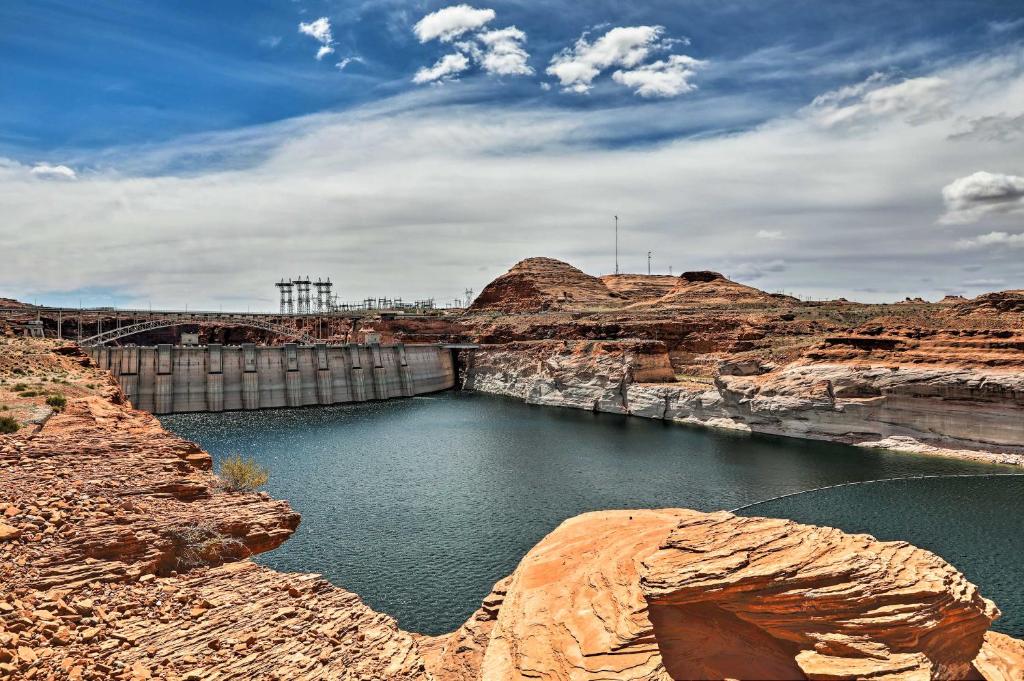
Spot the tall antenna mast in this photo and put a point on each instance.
(616, 244)
(648, 263)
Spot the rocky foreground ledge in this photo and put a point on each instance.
(121, 558)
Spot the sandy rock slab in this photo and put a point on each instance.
(679, 594)
(236, 621)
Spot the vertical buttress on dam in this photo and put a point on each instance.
(168, 379)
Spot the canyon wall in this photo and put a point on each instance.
(969, 411)
(123, 557)
(168, 379)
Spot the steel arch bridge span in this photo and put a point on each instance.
(131, 330)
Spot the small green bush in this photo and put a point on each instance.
(8, 424)
(242, 475)
(27, 393)
(57, 401)
(19, 387)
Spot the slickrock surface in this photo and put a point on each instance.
(678, 594)
(1001, 658)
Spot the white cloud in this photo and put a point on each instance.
(915, 100)
(446, 68)
(505, 55)
(970, 198)
(770, 234)
(663, 78)
(626, 47)
(50, 172)
(506, 183)
(319, 30)
(271, 41)
(1002, 239)
(346, 61)
(499, 52)
(451, 22)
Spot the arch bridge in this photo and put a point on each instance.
(162, 323)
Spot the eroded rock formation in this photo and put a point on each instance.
(942, 377)
(678, 594)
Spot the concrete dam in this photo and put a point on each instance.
(170, 379)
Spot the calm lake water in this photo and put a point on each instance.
(420, 505)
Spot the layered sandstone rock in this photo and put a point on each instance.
(967, 412)
(585, 375)
(707, 288)
(637, 287)
(110, 537)
(677, 594)
(538, 284)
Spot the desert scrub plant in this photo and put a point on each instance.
(57, 401)
(200, 544)
(242, 475)
(8, 425)
(20, 387)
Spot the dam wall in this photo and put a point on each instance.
(168, 379)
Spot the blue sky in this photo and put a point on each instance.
(135, 122)
(87, 75)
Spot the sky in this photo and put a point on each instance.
(183, 152)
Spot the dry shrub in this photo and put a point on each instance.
(8, 424)
(242, 475)
(199, 545)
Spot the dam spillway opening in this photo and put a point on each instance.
(169, 379)
(420, 505)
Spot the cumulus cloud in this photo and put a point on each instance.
(504, 54)
(451, 22)
(51, 172)
(1002, 239)
(319, 30)
(914, 100)
(626, 47)
(663, 78)
(446, 68)
(499, 52)
(970, 198)
(578, 66)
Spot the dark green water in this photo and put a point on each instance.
(420, 505)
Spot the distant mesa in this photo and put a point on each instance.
(546, 284)
(11, 303)
(541, 284)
